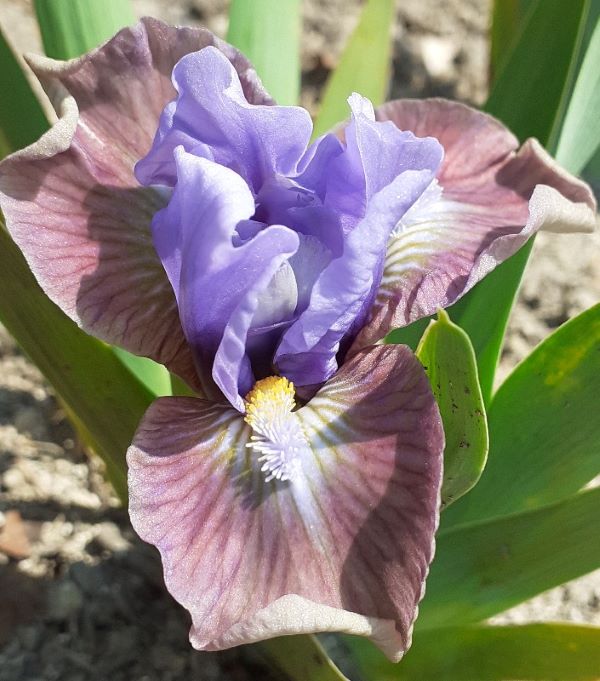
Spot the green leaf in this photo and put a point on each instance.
(95, 386)
(363, 68)
(544, 426)
(409, 335)
(508, 18)
(447, 355)
(300, 658)
(22, 119)
(153, 375)
(536, 652)
(580, 135)
(487, 567)
(531, 91)
(268, 33)
(591, 173)
(71, 27)
(530, 97)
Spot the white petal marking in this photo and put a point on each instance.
(276, 432)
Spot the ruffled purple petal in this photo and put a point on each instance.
(212, 118)
(343, 545)
(487, 201)
(340, 296)
(375, 154)
(71, 201)
(382, 171)
(220, 280)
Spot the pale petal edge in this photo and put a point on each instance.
(567, 207)
(292, 615)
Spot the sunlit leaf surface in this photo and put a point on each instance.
(536, 652)
(363, 68)
(447, 355)
(268, 33)
(544, 426)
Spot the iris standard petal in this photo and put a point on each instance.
(375, 154)
(345, 289)
(71, 201)
(369, 184)
(487, 201)
(343, 544)
(212, 118)
(218, 280)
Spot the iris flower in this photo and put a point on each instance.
(173, 209)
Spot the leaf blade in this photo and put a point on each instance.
(538, 72)
(152, 374)
(363, 67)
(22, 119)
(580, 135)
(508, 17)
(547, 448)
(447, 355)
(268, 33)
(537, 652)
(301, 658)
(71, 27)
(484, 568)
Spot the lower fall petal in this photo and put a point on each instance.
(488, 201)
(342, 543)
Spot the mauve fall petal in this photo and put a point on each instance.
(489, 198)
(71, 201)
(344, 544)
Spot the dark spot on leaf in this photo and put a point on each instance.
(467, 390)
(464, 443)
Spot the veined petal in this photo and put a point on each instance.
(488, 200)
(218, 279)
(71, 201)
(342, 543)
(213, 119)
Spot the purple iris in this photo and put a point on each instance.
(281, 259)
(275, 249)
